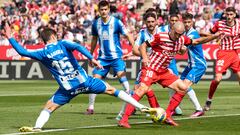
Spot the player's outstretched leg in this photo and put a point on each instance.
(42, 118)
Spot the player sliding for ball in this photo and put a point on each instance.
(72, 78)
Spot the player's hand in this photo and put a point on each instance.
(145, 62)
(220, 35)
(96, 64)
(7, 30)
(126, 56)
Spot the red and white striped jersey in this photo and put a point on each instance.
(237, 38)
(164, 49)
(230, 41)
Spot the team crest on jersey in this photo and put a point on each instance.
(105, 35)
(111, 26)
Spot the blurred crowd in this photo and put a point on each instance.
(72, 19)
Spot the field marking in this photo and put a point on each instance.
(23, 94)
(114, 125)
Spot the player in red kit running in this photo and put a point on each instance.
(227, 56)
(165, 45)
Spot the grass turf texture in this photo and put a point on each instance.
(21, 102)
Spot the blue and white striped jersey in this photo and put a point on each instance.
(195, 53)
(164, 28)
(59, 60)
(109, 37)
(144, 35)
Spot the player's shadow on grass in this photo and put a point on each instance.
(95, 113)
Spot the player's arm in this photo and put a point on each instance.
(75, 46)
(143, 51)
(94, 36)
(123, 31)
(19, 48)
(93, 43)
(206, 39)
(135, 50)
(183, 50)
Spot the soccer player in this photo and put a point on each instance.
(150, 19)
(72, 78)
(164, 46)
(191, 93)
(196, 64)
(107, 30)
(227, 56)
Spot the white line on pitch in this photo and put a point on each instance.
(113, 125)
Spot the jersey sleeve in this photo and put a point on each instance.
(194, 35)
(34, 54)
(154, 41)
(121, 27)
(214, 29)
(187, 40)
(94, 28)
(139, 39)
(75, 46)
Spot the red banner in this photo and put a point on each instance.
(8, 53)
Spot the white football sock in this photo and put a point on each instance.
(123, 108)
(92, 98)
(192, 95)
(42, 118)
(127, 98)
(123, 80)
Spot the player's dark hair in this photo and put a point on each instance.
(45, 33)
(149, 14)
(230, 9)
(173, 15)
(150, 10)
(103, 3)
(187, 16)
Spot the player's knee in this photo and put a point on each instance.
(141, 90)
(110, 90)
(51, 106)
(218, 79)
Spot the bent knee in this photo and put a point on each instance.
(141, 90)
(110, 90)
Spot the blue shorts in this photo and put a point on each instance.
(193, 74)
(117, 65)
(173, 67)
(92, 85)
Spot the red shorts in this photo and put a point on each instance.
(227, 59)
(163, 77)
(238, 52)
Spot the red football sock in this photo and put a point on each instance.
(130, 108)
(174, 102)
(212, 89)
(152, 99)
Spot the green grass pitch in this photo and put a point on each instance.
(21, 102)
